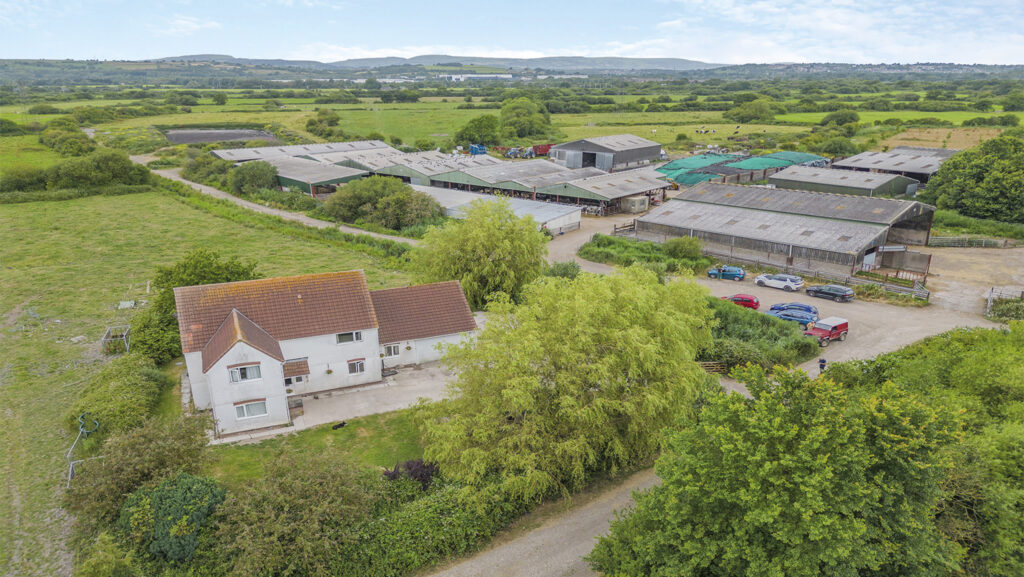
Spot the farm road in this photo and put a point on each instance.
(173, 174)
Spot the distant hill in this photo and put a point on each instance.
(559, 63)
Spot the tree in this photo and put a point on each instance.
(491, 250)
(686, 247)
(1013, 102)
(835, 146)
(219, 98)
(524, 117)
(481, 130)
(155, 329)
(754, 111)
(984, 182)
(101, 168)
(840, 117)
(252, 177)
(10, 128)
(578, 379)
(384, 201)
(166, 520)
(799, 481)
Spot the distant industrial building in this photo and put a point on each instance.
(557, 218)
(310, 176)
(918, 163)
(795, 228)
(608, 153)
(844, 181)
(265, 152)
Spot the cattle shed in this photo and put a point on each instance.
(844, 181)
(907, 221)
(557, 218)
(779, 238)
(265, 152)
(311, 176)
(608, 191)
(609, 153)
(912, 163)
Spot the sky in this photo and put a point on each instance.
(719, 31)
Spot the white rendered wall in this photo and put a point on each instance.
(323, 353)
(422, 350)
(224, 394)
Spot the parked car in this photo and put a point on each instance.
(795, 307)
(828, 329)
(786, 282)
(748, 301)
(802, 317)
(838, 293)
(727, 272)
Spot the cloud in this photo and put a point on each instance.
(186, 26)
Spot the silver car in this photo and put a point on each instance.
(786, 282)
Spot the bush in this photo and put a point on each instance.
(568, 269)
(1008, 310)
(952, 223)
(744, 336)
(121, 396)
(106, 559)
(44, 109)
(840, 117)
(383, 201)
(251, 177)
(21, 178)
(166, 520)
(624, 252)
(101, 168)
(285, 200)
(683, 248)
(10, 128)
(208, 169)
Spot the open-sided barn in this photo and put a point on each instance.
(311, 176)
(609, 153)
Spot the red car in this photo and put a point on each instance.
(749, 301)
(828, 330)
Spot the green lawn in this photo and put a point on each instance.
(374, 441)
(25, 150)
(63, 268)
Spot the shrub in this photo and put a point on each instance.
(624, 252)
(1008, 310)
(840, 117)
(568, 269)
(383, 201)
(22, 178)
(208, 169)
(10, 128)
(106, 559)
(683, 248)
(100, 168)
(285, 200)
(251, 177)
(166, 520)
(44, 108)
(121, 395)
(744, 336)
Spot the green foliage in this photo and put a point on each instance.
(208, 169)
(569, 269)
(10, 128)
(762, 111)
(623, 251)
(166, 520)
(22, 178)
(1003, 120)
(577, 380)
(251, 177)
(1014, 101)
(383, 201)
(523, 118)
(683, 248)
(121, 396)
(984, 182)
(219, 98)
(1008, 310)
(491, 250)
(105, 558)
(951, 223)
(43, 108)
(744, 336)
(799, 481)
(101, 168)
(840, 117)
(481, 130)
(155, 329)
(133, 459)
(286, 200)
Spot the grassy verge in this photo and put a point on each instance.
(952, 223)
(875, 293)
(621, 251)
(62, 278)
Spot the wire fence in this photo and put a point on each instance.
(1002, 294)
(971, 242)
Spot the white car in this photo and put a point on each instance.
(786, 282)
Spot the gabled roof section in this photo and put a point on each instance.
(419, 312)
(238, 328)
(265, 152)
(285, 307)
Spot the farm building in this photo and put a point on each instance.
(265, 152)
(502, 175)
(917, 163)
(310, 176)
(843, 181)
(557, 218)
(793, 227)
(431, 168)
(609, 153)
(630, 191)
(730, 168)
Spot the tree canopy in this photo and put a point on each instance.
(252, 177)
(578, 379)
(491, 250)
(481, 130)
(984, 182)
(522, 117)
(384, 201)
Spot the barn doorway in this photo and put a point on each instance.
(589, 159)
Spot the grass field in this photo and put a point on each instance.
(956, 138)
(871, 116)
(25, 150)
(65, 265)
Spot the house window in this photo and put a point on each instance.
(290, 380)
(250, 410)
(391, 350)
(250, 373)
(353, 337)
(356, 366)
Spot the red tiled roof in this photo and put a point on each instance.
(286, 308)
(418, 312)
(296, 368)
(237, 327)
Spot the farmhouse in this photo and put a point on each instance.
(843, 181)
(556, 218)
(917, 163)
(265, 152)
(310, 176)
(253, 347)
(793, 227)
(609, 153)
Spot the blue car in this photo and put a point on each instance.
(727, 272)
(794, 307)
(797, 316)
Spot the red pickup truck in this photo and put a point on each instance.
(828, 330)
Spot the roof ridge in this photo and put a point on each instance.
(277, 278)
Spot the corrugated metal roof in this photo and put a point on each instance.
(311, 171)
(450, 163)
(790, 229)
(835, 177)
(515, 170)
(892, 162)
(614, 142)
(265, 152)
(939, 152)
(568, 175)
(455, 203)
(372, 159)
(621, 184)
(818, 204)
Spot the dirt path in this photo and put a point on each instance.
(173, 174)
(961, 277)
(563, 247)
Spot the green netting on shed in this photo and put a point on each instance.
(759, 163)
(795, 157)
(694, 162)
(692, 178)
